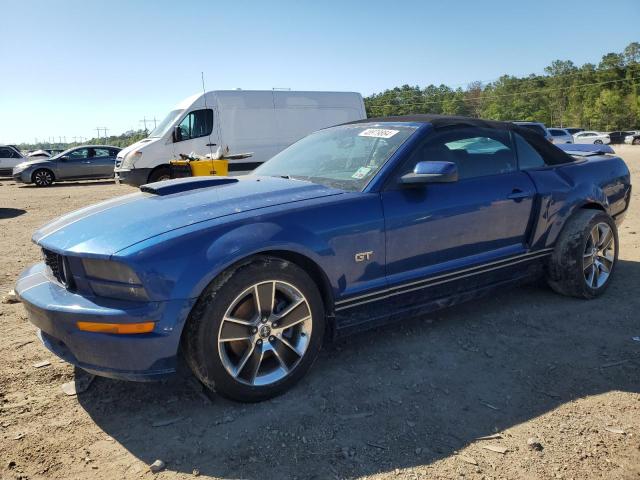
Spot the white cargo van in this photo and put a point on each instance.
(244, 121)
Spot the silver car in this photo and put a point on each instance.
(78, 163)
(560, 135)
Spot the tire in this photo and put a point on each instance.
(159, 174)
(42, 177)
(575, 268)
(598, 142)
(636, 141)
(227, 364)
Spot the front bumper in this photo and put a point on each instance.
(23, 177)
(55, 311)
(135, 177)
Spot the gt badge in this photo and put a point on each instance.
(363, 256)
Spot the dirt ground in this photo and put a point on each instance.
(408, 401)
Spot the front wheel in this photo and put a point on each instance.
(160, 174)
(42, 177)
(598, 142)
(256, 330)
(585, 255)
(636, 141)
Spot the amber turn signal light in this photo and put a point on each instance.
(117, 328)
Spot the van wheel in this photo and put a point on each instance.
(42, 177)
(256, 330)
(160, 174)
(585, 255)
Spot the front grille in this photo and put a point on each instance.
(58, 267)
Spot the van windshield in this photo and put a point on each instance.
(345, 157)
(165, 124)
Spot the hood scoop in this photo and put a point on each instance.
(168, 187)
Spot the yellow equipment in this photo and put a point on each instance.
(197, 166)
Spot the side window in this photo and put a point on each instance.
(80, 154)
(101, 152)
(6, 153)
(528, 157)
(198, 123)
(477, 152)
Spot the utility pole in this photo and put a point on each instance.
(155, 122)
(144, 122)
(98, 130)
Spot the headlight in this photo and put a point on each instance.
(113, 280)
(130, 158)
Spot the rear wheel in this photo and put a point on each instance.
(256, 330)
(585, 256)
(42, 177)
(160, 174)
(636, 141)
(598, 142)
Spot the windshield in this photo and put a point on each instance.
(165, 124)
(345, 157)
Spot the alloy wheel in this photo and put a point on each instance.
(599, 255)
(265, 333)
(43, 178)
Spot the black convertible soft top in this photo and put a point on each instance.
(552, 154)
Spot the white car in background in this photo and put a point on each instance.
(589, 136)
(38, 154)
(633, 137)
(9, 158)
(560, 135)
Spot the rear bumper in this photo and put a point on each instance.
(135, 177)
(55, 311)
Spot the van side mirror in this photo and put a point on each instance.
(177, 134)
(431, 172)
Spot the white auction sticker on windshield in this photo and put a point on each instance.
(378, 133)
(361, 173)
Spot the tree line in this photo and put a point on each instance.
(599, 97)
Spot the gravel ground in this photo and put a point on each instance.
(554, 382)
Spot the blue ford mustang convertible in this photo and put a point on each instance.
(351, 227)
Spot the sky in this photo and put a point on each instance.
(70, 66)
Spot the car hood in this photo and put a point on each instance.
(108, 227)
(140, 143)
(35, 161)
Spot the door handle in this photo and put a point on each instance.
(518, 195)
(212, 144)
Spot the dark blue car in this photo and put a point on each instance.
(351, 227)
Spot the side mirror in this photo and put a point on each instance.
(431, 172)
(177, 134)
